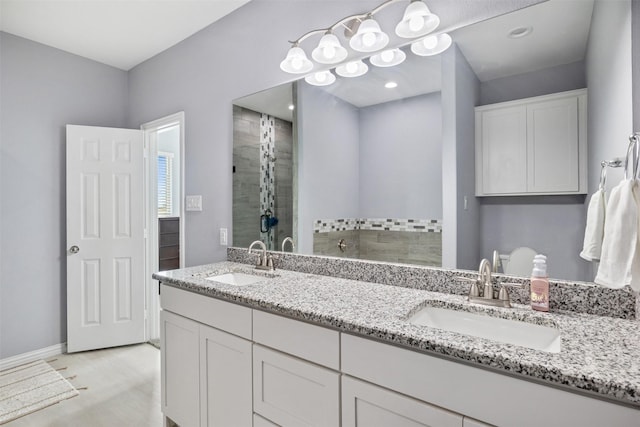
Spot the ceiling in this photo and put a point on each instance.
(120, 33)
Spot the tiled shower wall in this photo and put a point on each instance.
(412, 241)
(262, 151)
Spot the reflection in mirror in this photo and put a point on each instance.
(263, 168)
(367, 165)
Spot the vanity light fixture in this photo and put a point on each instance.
(369, 37)
(365, 35)
(388, 58)
(296, 61)
(352, 69)
(432, 45)
(321, 78)
(417, 21)
(329, 50)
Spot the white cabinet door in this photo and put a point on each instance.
(180, 369)
(552, 146)
(503, 150)
(292, 392)
(225, 379)
(365, 405)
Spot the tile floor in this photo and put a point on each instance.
(123, 390)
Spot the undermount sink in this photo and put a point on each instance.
(507, 331)
(237, 279)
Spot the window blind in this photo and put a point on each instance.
(165, 192)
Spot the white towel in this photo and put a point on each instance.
(594, 231)
(620, 257)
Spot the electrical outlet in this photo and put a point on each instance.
(223, 236)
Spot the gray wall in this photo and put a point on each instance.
(610, 88)
(328, 150)
(541, 82)
(635, 25)
(400, 159)
(460, 227)
(43, 89)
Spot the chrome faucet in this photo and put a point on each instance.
(290, 240)
(481, 290)
(264, 262)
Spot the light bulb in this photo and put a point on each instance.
(351, 67)
(416, 22)
(296, 63)
(329, 52)
(368, 39)
(291, 107)
(321, 77)
(387, 56)
(430, 42)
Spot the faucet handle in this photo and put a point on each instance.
(474, 290)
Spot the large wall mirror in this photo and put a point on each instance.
(356, 169)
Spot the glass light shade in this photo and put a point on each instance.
(432, 45)
(296, 62)
(329, 50)
(417, 21)
(388, 58)
(321, 78)
(369, 37)
(352, 69)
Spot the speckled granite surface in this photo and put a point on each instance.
(598, 355)
(578, 297)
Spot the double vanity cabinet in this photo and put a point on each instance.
(224, 364)
(228, 364)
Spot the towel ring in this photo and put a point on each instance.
(603, 175)
(634, 151)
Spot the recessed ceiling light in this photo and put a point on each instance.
(519, 32)
(390, 85)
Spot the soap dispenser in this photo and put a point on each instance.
(539, 284)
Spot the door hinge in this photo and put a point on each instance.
(146, 233)
(146, 314)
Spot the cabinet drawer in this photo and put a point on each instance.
(314, 343)
(226, 316)
(292, 392)
(364, 404)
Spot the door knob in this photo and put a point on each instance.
(74, 249)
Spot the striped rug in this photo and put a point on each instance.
(29, 388)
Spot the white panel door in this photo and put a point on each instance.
(105, 237)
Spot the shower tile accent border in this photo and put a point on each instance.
(387, 224)
(580, 297)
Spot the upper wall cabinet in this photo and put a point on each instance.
(533, 146)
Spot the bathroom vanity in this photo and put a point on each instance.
(293, 348)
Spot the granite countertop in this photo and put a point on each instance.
(598, 354)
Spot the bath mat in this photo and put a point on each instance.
(31, 387)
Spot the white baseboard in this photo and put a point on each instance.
(31, 356)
